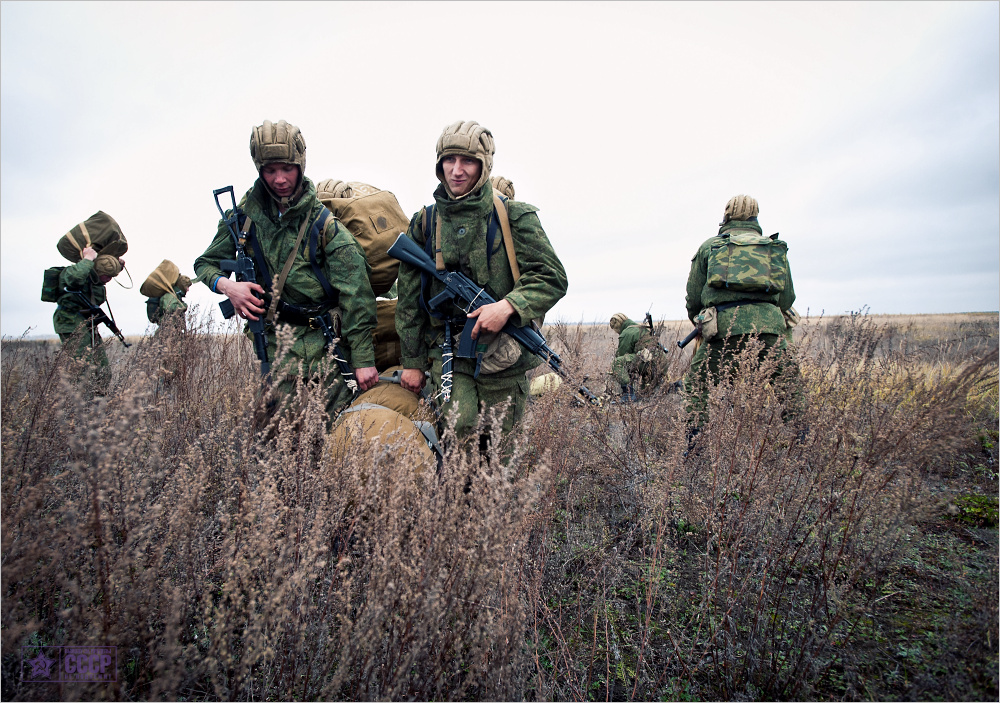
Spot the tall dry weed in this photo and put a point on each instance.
(585, 557)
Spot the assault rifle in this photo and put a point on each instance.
(243, 267)
(649, 324)
(467, 296)
(687, 340)
(97, 314)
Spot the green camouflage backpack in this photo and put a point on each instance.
(50, 284)
(748, 262)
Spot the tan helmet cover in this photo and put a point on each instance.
(618, 321)
(740, 207)
(502, 185)
(162, 280)
(280, 143)
(466, 139)
(105, 265)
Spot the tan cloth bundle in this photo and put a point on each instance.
(100, 232)
(161, 281)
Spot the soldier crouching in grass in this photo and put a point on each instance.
(326, 286)
(639, 363)
(457, 231)
(740, 287)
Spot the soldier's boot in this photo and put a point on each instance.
(628, 394)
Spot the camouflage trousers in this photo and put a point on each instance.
(469, 395)
(86, 344)
(712, 357)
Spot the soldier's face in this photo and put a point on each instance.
(281, 178)
(461, 173)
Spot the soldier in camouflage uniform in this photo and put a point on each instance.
(71, 320)
(741, 278)
(282, 205)
(165, 289)
(640, 363)
(464, 205)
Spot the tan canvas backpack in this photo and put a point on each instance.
(375, 219)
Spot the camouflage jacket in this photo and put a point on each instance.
(342, 261)
(764, 319)
(463, 243)
(634, 338)
(167, 303)
(69, 308)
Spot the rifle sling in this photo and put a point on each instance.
(280, 283)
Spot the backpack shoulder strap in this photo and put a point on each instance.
(249, 231)
(429, 217)
(320, 226)
(500, 211)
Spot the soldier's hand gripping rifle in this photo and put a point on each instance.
(465, 294)
(97, 314)
(243, 267)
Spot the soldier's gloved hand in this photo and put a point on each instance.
(646, 355)
(88, 253)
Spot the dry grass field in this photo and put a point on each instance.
(847, 552)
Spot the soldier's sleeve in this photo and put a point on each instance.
(347, 270)
(206, 266)
(75, 277)
(411, 320)
(543, 279)
(170, 303)
(695, 284)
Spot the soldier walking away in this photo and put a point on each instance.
(81, 290)
(640, 364)
(519, 269)
(739, 287)
(311, 273)
(165, 289)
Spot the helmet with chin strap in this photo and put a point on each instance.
(469, 139)
(280, 143)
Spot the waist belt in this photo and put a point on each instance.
(307, 317)
(737, 303)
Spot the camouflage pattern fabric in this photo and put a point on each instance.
(471, 395)
(629, 368)
(713, 356)
(746, 261)
(158, 308)
(343, 262)
(463, 241)
(737, 324)
(82, 336)
(746, 319)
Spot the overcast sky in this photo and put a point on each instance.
(869, 133)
